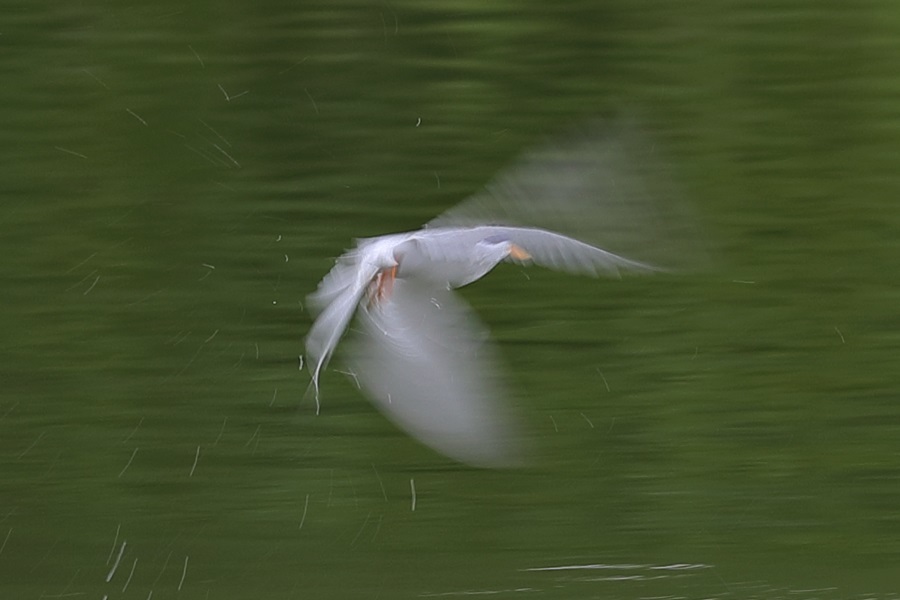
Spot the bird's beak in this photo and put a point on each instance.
(518, 253)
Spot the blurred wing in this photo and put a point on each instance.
(546, 248)
(337, 297)
(426, 362)
(606, 183)
(343, 276)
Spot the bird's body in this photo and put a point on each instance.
(424, 357)
(419, 352)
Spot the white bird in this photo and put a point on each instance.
(422, 356)
(420, 353)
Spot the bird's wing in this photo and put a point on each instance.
(337, 297)
(342, 276)
(607, 183)
(426, 362)
(546, 248)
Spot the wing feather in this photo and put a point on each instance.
(547, 249)
(337, 297)
(427, 363)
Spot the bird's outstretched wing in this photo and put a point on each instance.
(426, 362)
(546, 248)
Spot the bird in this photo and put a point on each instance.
(419, 351)
(421, 354)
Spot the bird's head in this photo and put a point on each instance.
(496, 248)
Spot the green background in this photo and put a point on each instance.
(177, 177)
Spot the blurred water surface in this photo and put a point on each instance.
(177, 177)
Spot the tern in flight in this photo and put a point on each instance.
(419, 352)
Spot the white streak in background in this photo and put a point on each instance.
(130, 575)
(353, 489)
(312, 100)
(72, 152)
(114, 544)
(498, 592)
(161, 571)
(377, 527)
(9, 410)
(299, 62)
(603, 377)
(330, 486)
(115, 566)
(412, 490)
(136, 116)
(215, 163)
(221, 431)
(228, 156)
(128, 464)
(189, 363)
(305, 507)
(230, 98)
(555, 428)
(679, 567)
(275, 395)
(253, 437)
(840, 334)
(196, 458)
(33, 444)
(95, 78)
(6, 539)
(217, 134)
(183, 573)
(180, 337)
(88, 291)
(81, 263)
(361, 529)
(133, 431)
(589, 422)
(200, 60)
(623, 567)
(380, 483)
(82, 280)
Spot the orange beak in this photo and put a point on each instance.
(518, 253)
